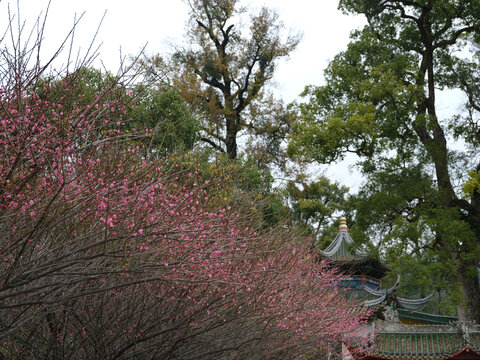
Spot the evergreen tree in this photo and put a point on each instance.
(379, 102)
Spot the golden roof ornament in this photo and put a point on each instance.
(343, 224)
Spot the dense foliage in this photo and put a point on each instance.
(379, 102)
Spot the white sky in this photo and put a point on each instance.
(131, 24)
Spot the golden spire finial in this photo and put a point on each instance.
(343, 224)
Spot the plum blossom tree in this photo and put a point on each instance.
(106, 253)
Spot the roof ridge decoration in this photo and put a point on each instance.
(400, 328)
(339, 248)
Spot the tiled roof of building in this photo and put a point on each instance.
(403, 342)
(416, 317)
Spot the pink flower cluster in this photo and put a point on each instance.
(107, 253)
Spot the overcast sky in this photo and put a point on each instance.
(160, 23)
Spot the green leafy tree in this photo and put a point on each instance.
(162, 110)
(379, 102)
(165, 113)
(244, 183)
(223, 72)
(314, 204)
(421, 275)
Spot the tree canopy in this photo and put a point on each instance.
(314, 203)
(223, 72)
(379, 102)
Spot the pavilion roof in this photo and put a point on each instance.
(363, 274)
(341, 247)
(349, 260)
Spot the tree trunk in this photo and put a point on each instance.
(471, 293)
(231, 143)
(231, 136)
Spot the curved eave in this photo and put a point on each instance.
(377, 301)
(380, 292)
(353, 262)
(413, 304)
(336, 244)
(402, 303)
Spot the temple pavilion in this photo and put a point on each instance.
(398, 329)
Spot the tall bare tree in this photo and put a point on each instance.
(223, 71)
